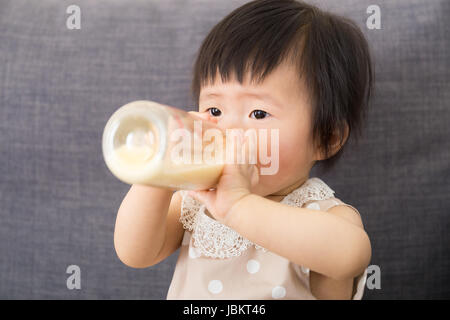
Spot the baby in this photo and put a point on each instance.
(273, 64)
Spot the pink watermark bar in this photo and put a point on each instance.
(236, 145)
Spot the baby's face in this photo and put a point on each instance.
(283, 103)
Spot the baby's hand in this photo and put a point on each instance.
(236, 182)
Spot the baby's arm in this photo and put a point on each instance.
(147, 228)
(324, 242)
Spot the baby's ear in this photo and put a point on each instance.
(336, 143)
(338, 140)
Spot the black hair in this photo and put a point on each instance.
(329, 52)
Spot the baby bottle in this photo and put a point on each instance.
(145, 142)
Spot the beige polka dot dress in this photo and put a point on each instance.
(215, 262)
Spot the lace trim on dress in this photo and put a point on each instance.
(314, 189)
(216, 240)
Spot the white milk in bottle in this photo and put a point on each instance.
(141, 144)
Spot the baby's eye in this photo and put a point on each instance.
(214, 112)
(259, 114)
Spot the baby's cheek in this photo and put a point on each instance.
(268, 148)
(280, 151)
(292, 156)
(287, 156)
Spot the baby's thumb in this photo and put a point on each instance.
(255, 176)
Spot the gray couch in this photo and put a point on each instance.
(58, 87)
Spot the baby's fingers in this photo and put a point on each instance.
(203, 115)
(250, 150)
(250, 168)
(254, 176)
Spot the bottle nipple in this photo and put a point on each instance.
(136, 143)
(141, 143)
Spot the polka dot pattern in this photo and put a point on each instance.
(278, 292)
(313, 206)
(215, 286)
(253, 266)
(194, 252)
(258, 272)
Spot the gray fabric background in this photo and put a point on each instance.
(58, 87)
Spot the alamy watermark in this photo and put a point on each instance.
(73, 21)
(74, 280)
(232, 146)
(374, 20)
(373, 277)
(373, 280)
